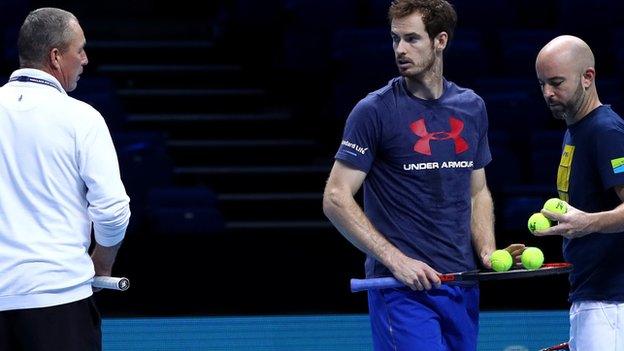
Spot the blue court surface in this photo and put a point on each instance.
(500, 331)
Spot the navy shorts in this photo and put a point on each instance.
(442, 319)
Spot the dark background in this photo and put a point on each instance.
(226, 118)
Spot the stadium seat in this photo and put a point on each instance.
(362, 61)
(519, 49)
(144, 164)
(184, 211)
(99, 92)
(466, 50)
(516, 111)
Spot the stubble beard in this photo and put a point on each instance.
(572, 107)
(425, 67)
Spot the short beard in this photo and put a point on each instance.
(429, 66)
(571, 109)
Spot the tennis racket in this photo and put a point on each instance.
(560, 347)
(467, 276)
(113, 283)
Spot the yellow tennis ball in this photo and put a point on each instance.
(532, 258)
(556, 205)
(501, 260)
(538, 221)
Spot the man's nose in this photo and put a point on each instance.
(547, 91)
(400, 47)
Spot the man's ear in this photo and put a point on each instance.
(588, 77)
(440, 41)
(55, 57)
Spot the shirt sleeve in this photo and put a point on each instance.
(108, 204)
(610, 157)
(361, 136)
(483, 155)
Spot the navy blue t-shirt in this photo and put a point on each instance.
(592, 163)
(419, 155)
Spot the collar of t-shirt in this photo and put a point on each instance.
(585, 120)
(446, 85)
(36, 76)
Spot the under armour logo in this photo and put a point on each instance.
(423, 146)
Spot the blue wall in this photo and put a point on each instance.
(500, 331)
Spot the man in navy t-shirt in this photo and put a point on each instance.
(591, 180)
(419, 146)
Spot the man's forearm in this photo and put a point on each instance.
(482, 222)
(103, 258)
(608, 221)
(351, 221)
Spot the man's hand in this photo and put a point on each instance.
(515, 250)
(103, 259)
(415, 274)
(573, 224)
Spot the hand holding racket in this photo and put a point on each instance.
(467, 276)
(113, 283)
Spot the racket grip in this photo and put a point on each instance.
(374, 283)
(444, 278)
(113, 283)
(561, 347)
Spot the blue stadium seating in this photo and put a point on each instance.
(184, 211)
(144, 164)
(517, 210)
(466, 58)
(504, 170)
(517, 111)
(12, 13)
(611, 92)
(485, 14)
(519, 49)
(363, 61)
(100, 93)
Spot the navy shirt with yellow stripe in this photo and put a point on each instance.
(592, 164)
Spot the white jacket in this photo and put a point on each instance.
(58, 174)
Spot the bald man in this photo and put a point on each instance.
(591, 179)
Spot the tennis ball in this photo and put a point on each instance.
(538, 221)
(501, 260)
(556, 205)
(532, 258)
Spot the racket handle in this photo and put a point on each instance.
(113, 283)
(390, 282)
(445, 278)
(374, 283)
(560, 347)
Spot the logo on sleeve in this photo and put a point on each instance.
(355, 147)
(618, 165)
(423, 145)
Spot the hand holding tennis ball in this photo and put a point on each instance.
(570, 222)
(556, 205)
(538, 222)
(532, 258)
(501, 260)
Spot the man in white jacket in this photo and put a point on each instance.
(59, 177)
